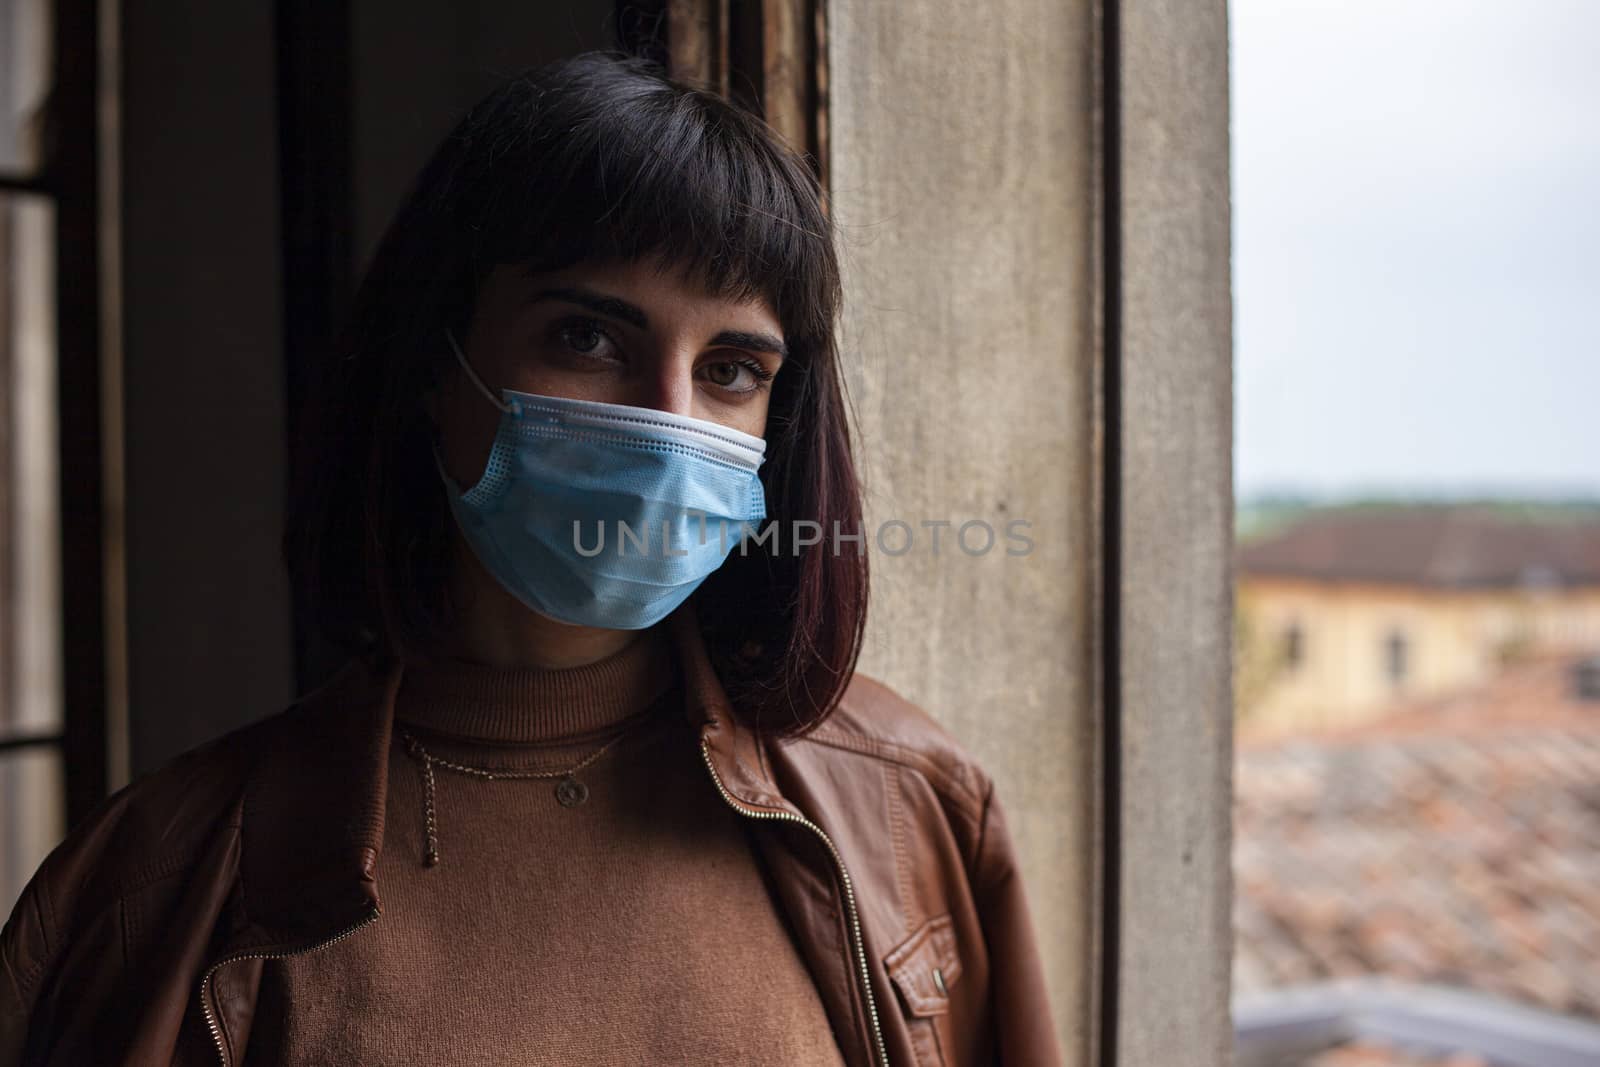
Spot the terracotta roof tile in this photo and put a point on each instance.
(1457, 843)
(1371, 1054)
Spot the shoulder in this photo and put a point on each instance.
(153, 824)
(146, 838)
(139, 843)
(167, 816)
(873, 722)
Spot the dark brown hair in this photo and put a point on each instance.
(594, 158)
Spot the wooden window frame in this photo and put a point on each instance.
(69, 177)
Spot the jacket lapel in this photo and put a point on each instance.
(313, 817)
(801, 871)
(311, 830)
(733, 751)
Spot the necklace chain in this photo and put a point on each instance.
(569, 791)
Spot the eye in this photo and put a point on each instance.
(738, 375)
(582, 342)
(583, 337)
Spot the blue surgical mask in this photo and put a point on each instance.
(604, 514)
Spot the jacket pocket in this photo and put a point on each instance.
(923, 968)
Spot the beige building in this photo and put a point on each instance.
(1347, 611)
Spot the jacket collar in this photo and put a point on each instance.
(312, 825)
(313, 817)
(734, 752)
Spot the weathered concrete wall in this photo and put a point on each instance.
(1174, 591)
(961, 166)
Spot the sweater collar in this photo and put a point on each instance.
(517, 705)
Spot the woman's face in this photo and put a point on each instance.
(619, 333)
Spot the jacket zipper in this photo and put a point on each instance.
(844, 878)
(205, 983)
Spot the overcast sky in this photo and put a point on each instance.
(1416, 188)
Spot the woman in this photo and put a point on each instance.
(598, 785)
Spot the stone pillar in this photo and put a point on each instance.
(961, 162)
(1032, 198)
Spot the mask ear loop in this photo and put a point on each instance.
(510, 409)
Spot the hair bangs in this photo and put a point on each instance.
(686, 180)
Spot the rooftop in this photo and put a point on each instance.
(1442, 546)
(1456, 844)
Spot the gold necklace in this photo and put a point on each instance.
(569, 791)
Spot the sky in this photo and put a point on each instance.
(1416, 257)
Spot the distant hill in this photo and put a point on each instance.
(1268, 513)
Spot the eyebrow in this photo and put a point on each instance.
(599, 303)
(755, 342)
(615, 308)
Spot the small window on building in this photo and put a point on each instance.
(1396, 651)
(1586, 680)
(1294, 646)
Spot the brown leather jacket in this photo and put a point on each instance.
(142, 938)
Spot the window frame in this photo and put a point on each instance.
(68, 176)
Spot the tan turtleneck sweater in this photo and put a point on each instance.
(631, 928)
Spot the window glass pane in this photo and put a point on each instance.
(30, 662)
(1417, 781)
(32, 819)
(24, 70)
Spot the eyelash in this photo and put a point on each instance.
(762, 375)
(559, 329)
